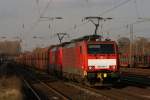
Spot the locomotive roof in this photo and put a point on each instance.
(87, 37)
(64, 43)
(84, 38)
(59, 45)
(91, 38)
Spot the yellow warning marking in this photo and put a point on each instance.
(100, 76)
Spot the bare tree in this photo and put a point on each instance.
(123, 44)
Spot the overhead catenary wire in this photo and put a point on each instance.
(38, 7)
(71, 28)
(33, 26)
(106, 11)
(137, 17)
(136, 9)
(115, 7)
(122, 3)
(140, 8)
(136, 22)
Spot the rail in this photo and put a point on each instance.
(33, 91)
(108, 94)
(59, 93)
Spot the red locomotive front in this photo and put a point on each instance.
(102, 61)
(102, 56)
(94, 61)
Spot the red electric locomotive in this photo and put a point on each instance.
(55, 59)
(88, 59)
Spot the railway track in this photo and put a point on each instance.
(136, 71)
(35, 95)
(29, 91)
(58, 94)
(112, 93)
(39, 89)
(135, 76)
(70, 92)
(103, 93)
(14, 85)
(50, 92)
(62, 90)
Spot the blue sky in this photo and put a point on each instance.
(15, 13)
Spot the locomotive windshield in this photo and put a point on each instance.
(101, 49)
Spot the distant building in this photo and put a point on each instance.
(11, 48)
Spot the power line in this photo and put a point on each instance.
(38, 6)
(75, 26)
(136, 9)
(106, 11)
(38, 19)
(33, 26)
(114, 7)
(137, 12)
(133, 23)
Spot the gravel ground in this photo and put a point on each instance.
(10, 88)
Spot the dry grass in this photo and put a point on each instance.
(10, 88)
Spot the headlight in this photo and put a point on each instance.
(91, 67)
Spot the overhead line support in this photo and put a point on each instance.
(61, 36)
(98, 19)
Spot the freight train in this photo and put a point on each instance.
(138, 60)
(86, 59)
